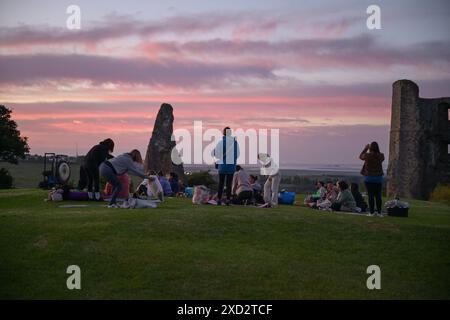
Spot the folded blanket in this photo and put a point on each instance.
(134, 203)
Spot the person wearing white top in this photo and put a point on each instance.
(153, 187)
(270, 169)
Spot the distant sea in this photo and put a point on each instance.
(324, 167)
(316, 168)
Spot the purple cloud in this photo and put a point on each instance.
(116, 26)
(361, 52)
(24, 69)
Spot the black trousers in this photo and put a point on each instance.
(83, 181)
(243, 196)
(225, 179)
(258, 196)
(93, 176)
(374, 193)
(336, 206)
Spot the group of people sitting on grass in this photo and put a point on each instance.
(158, 185)
(240, 187)
(342, 197)
(245, 189)
(337, 197)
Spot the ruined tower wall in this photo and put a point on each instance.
(418, 156)
(405, 139)
(434, 150)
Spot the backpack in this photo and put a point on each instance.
(55, 195)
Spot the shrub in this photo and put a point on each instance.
(6, 180)
(200, 178)
(441, 194)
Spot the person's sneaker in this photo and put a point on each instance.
(98, 197)
(370, 214)
(380, 215)
(113, 206)
(90, 196)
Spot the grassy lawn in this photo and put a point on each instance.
(181, 251)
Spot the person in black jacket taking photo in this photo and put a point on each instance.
(92, 161)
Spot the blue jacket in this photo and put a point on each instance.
(227, 152)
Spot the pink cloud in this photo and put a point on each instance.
(359, 52)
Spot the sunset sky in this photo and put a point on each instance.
(309, 68)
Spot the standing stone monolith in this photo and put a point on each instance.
(419, 141)
(159, 150)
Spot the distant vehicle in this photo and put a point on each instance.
(56, 171)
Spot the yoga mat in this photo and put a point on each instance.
(81, 205)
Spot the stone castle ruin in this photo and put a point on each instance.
(419, 140)
(159, 150)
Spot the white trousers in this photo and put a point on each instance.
(271, 189)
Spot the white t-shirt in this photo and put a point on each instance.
(153, 185)
(268, 166)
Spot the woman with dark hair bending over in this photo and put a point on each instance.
(372, 171)
(92, 161)
(128, 162)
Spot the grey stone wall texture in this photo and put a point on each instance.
(419, 142)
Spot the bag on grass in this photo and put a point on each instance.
(397, 208)
(55, 195)
(201, 195)
(77, 196)
(286, 197)
(189, 192)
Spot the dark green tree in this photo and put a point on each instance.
(12, 145)
(200, 178)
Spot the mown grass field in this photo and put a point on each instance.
(181, 251)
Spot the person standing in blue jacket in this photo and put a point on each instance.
(226, 154)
